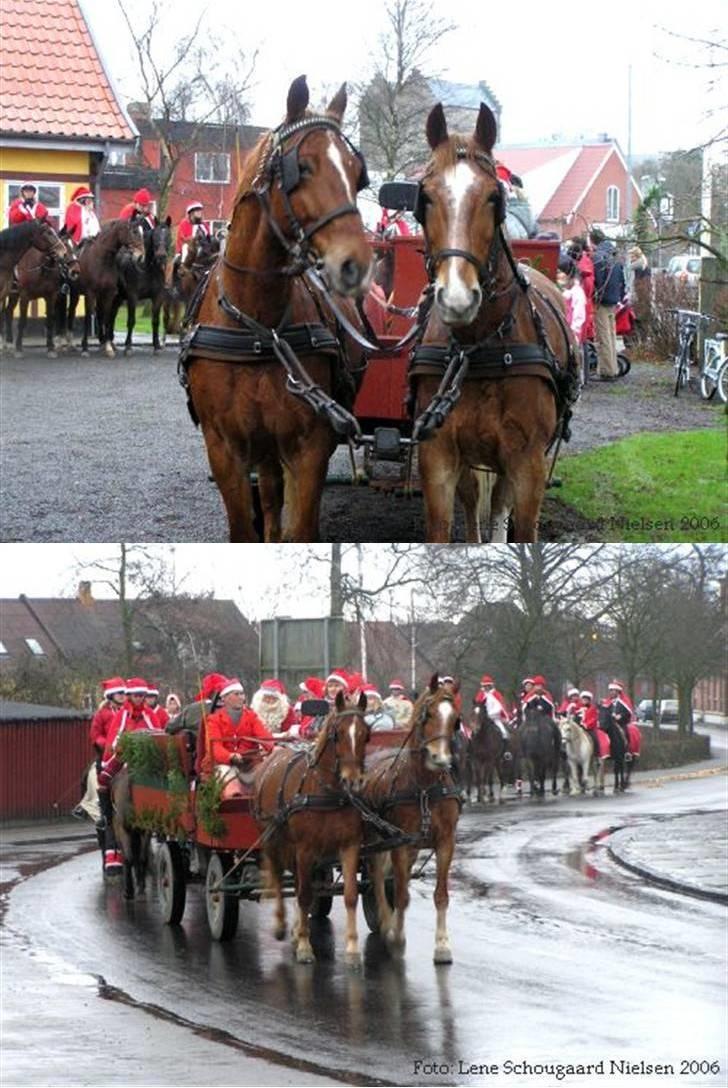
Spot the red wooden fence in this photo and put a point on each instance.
(41, 763)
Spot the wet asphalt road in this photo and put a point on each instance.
(560, 955)
(89, 445)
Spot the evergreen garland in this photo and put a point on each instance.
(209, 796)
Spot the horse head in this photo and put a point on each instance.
(69, 261)
(47, 241)
(461, 205)
(130, 236)
(346, 733)
(160, 243)
(308, 181)
(435, 719)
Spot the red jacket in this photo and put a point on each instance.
(73, 222)
(161, 716)
(101, 724)
(187, 230)
(541, 699)
(588, 716)
(224, 738)
(586, 268)
(129, 211)
(127, 720)
(19, 212)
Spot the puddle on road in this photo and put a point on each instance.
(583, 856)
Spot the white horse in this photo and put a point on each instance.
(580, 756)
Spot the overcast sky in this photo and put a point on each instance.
(555, 67)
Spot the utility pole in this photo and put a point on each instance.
(628, 201)
(359, 616)
(336, 593)
(413, 643)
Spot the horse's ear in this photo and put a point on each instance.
(434, 682)
(337, 105)
(486, 128)
(362, 704)
(340, 701)
(436, 128)
(297, 99)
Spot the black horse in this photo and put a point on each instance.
(540, 743)
(618, 749)
(147, 280)
(491, 754)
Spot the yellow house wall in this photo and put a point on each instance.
(23, 163)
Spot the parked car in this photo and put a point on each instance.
(668, 710)
(685, 268)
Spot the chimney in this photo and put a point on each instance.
(84, 595)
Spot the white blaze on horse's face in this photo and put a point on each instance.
(333, 152)
(458, 294)
(349, 263)
(439, 756)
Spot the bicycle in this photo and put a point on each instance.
(687, 328)
(714, 372)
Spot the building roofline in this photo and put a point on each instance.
(107, 73)
(42, 625)
(34, 142)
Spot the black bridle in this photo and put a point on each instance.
(331, 728)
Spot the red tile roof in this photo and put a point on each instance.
(53, 80)
(567, 187)
(569, 194)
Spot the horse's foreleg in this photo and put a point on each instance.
(304, 895)
(22, 320)
(50, 309)
(349, 865)
(304, 500)
(156, 308)
(438, 463)
(401, 872)
(130, 323)
(232, 476)
(274, 888)
(375, 865)
(445, 846)
(270, 491)
(474, 496)
(500, 506)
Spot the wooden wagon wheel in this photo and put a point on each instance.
(171, 882)
(222, 906)
(369, 901)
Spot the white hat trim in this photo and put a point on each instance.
(235, 686)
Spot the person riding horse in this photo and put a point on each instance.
(495, 705)
(26, 207)
(140, 209)
(192, 226)
(81, 221)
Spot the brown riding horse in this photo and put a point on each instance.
(17, 240)
(184, 276)
(304, 798)
(42, 275)
(500, 331)
(118, 240)
(491, 755)
(412, 788)
(259, 321)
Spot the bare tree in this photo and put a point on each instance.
(393, 103)
(182, 87)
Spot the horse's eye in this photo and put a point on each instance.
(305, 168)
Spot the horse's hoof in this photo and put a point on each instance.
(305, 955)
(128, 351)
(84, 354)
(442, 955)
(353, 961)
(280, 933)
(52, 354)
(158, 351)
(109, 352)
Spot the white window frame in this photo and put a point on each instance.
(212, 181)
(612, 201)
(31, 643)
(55, 210)
(118, 157)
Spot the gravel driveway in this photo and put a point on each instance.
(100, 450)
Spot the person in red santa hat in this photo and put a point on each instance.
(130, 718)
(313, 687)
(398, 705)
(81, 221)
(568, 706)
(337, 681)
(204, 703)
(539, 698)
(587, 715)
(235, 737)
(192, 226)
(272, 705)
(152, 704)
(113, 699)
(495, 704)
(449, 683)
(624, 715)
(140, 209)
(376, 716)
(26, 207)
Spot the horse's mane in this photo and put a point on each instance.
(322, 738)
(19, 229)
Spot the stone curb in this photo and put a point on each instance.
(660, 879)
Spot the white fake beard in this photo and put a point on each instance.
(271, 715)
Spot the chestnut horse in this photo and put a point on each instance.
(413, 789)
(184, 277)
(303, 800)
(266, 375)
(496, 371)
(17, 240)
(118, 240)
(42, 275)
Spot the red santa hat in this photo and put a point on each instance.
(193, 206)
(81, 192)
(211, 684)
(136, 686)
(273, 687)
(539, 681)
(356, 681)
(29, 185)
(615, 684)
(231, 685)
(447, 679)
(573, 691)
(586, 694)
(313, 685)
(113, 685)
(371, 689)
(338, 676)
(396, 685)
(151, 690)
(487, 680)
(142, 196)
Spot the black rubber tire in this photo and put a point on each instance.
(624, 363)
(369, 903)
(171, 883)
(723, 383)
(324, 903)
(222, 906)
